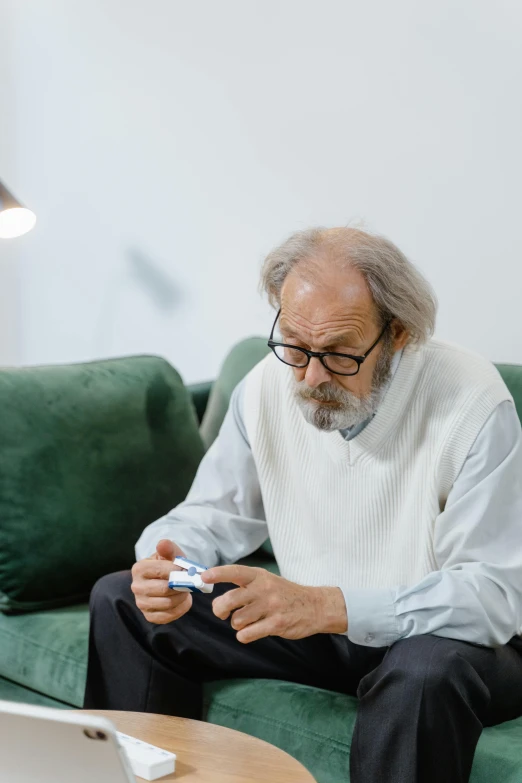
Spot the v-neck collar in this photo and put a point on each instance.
(387, 416)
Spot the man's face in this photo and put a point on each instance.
(335, 314)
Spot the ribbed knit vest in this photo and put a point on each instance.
(362, 513)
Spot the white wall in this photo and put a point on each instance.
(193, 136)
(10, 310)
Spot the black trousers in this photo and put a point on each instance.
(422, 702)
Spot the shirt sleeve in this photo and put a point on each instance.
(476, 596)
(222, 519)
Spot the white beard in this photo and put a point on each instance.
(348, 409)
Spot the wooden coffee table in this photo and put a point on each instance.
(207, 753)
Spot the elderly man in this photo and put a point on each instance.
(386, 467)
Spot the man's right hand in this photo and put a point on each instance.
(150, 585)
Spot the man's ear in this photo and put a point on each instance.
(400, 335)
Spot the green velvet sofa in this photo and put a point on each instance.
(90, 454)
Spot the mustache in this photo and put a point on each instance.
(326, 393)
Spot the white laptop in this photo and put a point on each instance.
(46, 745)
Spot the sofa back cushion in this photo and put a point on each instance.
(238, 363)
(89, 455)
(512, 375)
(246, 354)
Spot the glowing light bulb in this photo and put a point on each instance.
(16, 221)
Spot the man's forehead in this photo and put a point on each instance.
(320, 322)
(320, 306)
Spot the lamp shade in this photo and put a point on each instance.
(15, 219)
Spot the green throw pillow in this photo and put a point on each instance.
(89, 455)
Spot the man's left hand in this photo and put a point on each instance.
(264, 604)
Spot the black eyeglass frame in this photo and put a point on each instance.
(321, 354)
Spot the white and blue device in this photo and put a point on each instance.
(188, 580)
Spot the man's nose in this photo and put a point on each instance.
(316, 373)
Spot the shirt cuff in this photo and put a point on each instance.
(371, 616)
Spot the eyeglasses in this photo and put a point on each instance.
(338, 363)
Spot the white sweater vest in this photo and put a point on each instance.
(362, 513)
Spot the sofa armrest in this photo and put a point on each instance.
(200, 393)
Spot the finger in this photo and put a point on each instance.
(233, 599)
(236, 574)
(162, 617)
(247, 615)
(180, 609)
(152, 569)
(159, 604)
(154, 588)
(168, 550)
(165, 549)
(256, 631)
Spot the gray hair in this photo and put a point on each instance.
(398, 289)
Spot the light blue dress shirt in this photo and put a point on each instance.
(476, 595)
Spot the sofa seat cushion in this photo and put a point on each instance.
(315, 726)
(311, 724)
(10, 691)
(47, 651)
